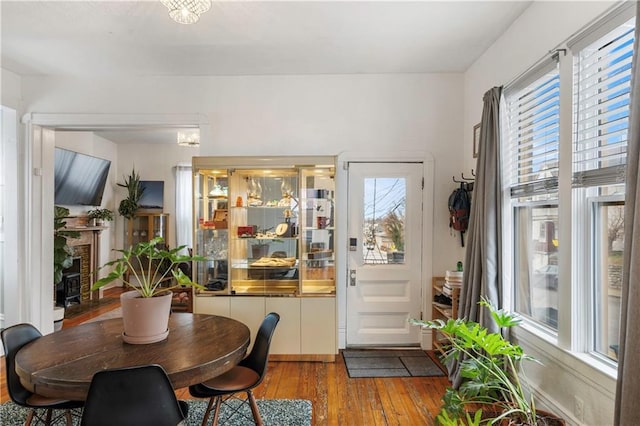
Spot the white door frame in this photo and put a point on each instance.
(342, 182)
(37, 305)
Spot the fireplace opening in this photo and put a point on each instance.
(69, 289)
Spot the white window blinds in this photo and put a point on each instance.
(602, 82)
(533, 132)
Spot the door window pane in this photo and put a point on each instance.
(536, 243)
(384, 220)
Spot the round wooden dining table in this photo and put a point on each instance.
(198, 348)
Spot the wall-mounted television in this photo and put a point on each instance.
(79, 179)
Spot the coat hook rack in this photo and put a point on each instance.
(466, 178)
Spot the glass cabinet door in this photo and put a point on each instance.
(317, 230)
(159, 226)
(211, 234)
(264, 240)
(139, 228)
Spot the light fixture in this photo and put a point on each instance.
(186, 11)
(189, 138)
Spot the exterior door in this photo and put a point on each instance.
(385, 253)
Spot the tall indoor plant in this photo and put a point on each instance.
(492, 392)
(151, 270)
(129, 205)
(62, 253)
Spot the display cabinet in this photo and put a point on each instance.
(266, 227)
(265, 231)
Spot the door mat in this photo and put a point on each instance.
(390, 363)
(290, 412)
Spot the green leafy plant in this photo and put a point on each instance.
(62, 253)
(489, 366)
(393, 225)
(129, 205)
(150, 264)
(102, 214)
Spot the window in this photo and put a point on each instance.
(602, 83)
(384, 215)
(565, 148)
(533, 141)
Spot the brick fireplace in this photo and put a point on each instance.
(86, 253)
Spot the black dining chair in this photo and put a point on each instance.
(137, 396)
(242, 378)
(13, 339)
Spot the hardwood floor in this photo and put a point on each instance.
(336, 398)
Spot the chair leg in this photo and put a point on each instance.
(254, 408)
(217, 413)
(67, 415)
(48, 418)
(207, 412)
(29, 419)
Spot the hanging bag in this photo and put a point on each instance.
(459, 210)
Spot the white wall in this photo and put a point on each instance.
(540, 29)
(11, 90)
(282, 115)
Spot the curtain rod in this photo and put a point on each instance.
(551, 54)
(616, 8)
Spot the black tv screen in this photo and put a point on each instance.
(79, 178)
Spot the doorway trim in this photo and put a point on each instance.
(39, 186)
(342, 184)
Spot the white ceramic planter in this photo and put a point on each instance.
(145, 319)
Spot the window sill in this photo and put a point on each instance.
(589, 365)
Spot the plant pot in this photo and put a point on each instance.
(146, 319)
(395, 257)
(543, 418)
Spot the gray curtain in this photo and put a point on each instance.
(483, 262)
(627, 409)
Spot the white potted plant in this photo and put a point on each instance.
(150, 270)
(99, 216)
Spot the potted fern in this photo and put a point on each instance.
(492, 392)
(151, 270)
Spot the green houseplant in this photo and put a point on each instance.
(393, 225)
(151, 271)
(492, 392)
(62, 253)
(100, 215)
(129, 205)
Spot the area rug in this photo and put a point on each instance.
(390, 363)
(278, 412)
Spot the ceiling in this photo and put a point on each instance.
(80, 38)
